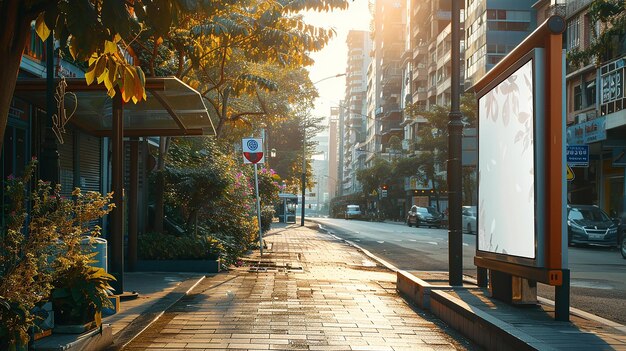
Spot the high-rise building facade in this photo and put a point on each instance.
(353, 107)
(493, 29)
(384, 87)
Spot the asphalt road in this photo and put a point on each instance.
(598, 274)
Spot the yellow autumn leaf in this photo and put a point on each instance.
(93, 58)
(90, 74)
(107, 82)
(110, 47)
(72, 47)
(41, 28)
(111, 92)
(101, 66)
(112, 69)
(129, 84)
(140, 92)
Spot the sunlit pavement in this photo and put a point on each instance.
(309, 291)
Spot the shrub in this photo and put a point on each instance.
(267, 216)
(36, 247)
(164, 246)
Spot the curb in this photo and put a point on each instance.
(152, 314)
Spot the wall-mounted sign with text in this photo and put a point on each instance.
(587, 132)
(578, 155)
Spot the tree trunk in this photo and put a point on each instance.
(13, 35)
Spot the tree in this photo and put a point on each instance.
(245, 59)
(372, 178)
(432, 141)
(286, 138)
(232, 57)
(607, 38)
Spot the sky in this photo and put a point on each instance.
(333, 58)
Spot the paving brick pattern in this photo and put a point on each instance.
(308, 292)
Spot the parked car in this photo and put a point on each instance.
(353, 212)
(588, 224)
(469, 219)
(428, 216)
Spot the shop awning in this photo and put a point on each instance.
(172, 107)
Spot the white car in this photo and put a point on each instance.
(469, 219)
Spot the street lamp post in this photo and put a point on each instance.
(303, 180)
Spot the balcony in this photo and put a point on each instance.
(573, 6)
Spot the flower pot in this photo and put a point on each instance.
(74, 319)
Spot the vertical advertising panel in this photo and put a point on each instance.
(507, 164)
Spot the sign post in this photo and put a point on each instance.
(253, 153)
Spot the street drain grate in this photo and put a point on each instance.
(268, 266)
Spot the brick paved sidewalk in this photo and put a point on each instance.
(309, 292)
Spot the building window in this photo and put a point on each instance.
(512, 21)
(573, 33)
(578, 98)
(590, 93)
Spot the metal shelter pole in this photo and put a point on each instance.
(455, 131)
(133, 203)
(116, 232)
(49, 157)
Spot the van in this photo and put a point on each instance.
(353, 211)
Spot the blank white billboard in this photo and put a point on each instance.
(506, 166)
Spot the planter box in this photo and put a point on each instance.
(79, 328)
(195, 266)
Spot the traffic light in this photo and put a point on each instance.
(384, 188)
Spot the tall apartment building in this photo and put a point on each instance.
(353, 107)
(384, 87)
(333, 152)
(493, 29)
(427, 61)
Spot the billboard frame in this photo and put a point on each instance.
(549, 37)
(536, 57)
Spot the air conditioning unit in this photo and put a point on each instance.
(581, 118)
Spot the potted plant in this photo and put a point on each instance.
(37, 245)
(79, 295)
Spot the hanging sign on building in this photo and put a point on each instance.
(252, 150)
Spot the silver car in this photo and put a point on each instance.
(469, 219)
